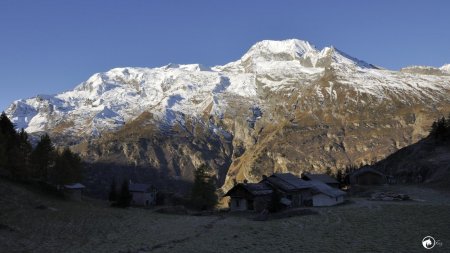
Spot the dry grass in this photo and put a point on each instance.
(89, 226)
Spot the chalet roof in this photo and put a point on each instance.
(288, 182)
(367, 169)
(135, 187)
(258, 188)
(320, 177)
(255, 189)
(321, 187)
(74, 186)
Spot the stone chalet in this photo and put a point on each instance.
(367, 176)
(295, 192)
(142, 194)
(247, 196)
(73, 191)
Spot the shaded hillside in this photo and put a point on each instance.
(163, 155)
(427, 161)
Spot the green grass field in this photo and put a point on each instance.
(91, 226)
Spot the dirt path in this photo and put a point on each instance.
(171, 243)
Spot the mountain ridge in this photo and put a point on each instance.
(311, 62)
(283, 106)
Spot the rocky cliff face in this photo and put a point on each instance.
(284, 106)
(161, 155)
(330, 124)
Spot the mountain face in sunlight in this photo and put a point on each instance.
(284, 106)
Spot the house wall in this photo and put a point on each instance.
(74, 194)
(260, 203)
(300, 198)
(143, 198)
(295, 198)
(325, 200)
(306, 197)
(238, 204)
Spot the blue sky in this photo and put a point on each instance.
(50, 46)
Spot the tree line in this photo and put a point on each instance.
(440, 129)
(42, 163)
(202, 197)
(121, 198)
(203, 192)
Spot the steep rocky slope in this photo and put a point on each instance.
(284, 106)
(427, 161)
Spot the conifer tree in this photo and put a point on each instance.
(42, 163)
(328, 171)
(8, 142)
(125, 196)
(113, 191)
(6, 126)
(21, 157)
(67, 168)
(339, 177)
(42, 158)
(3, 157)
(203, 194)
(15, 149)
(440, 130)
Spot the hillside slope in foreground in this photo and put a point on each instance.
(91, 226)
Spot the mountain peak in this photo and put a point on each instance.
(291, 53)
(283, 46)
(187, 67)
(445, 68)
(268, 50)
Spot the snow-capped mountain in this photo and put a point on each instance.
(445, 68)
(284, 105)
(107, 100)
(427, 70)
(267, 56)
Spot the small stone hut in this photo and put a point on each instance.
(325, 195)
(249, 196)
(142, 194)
(367, 176)
(73, 191)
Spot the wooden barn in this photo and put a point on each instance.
(324, 178)
(325, 195)
(294, 189)
(248, 196)
(367, 176)
(142, 194)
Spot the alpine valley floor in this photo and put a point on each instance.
(92, 226)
